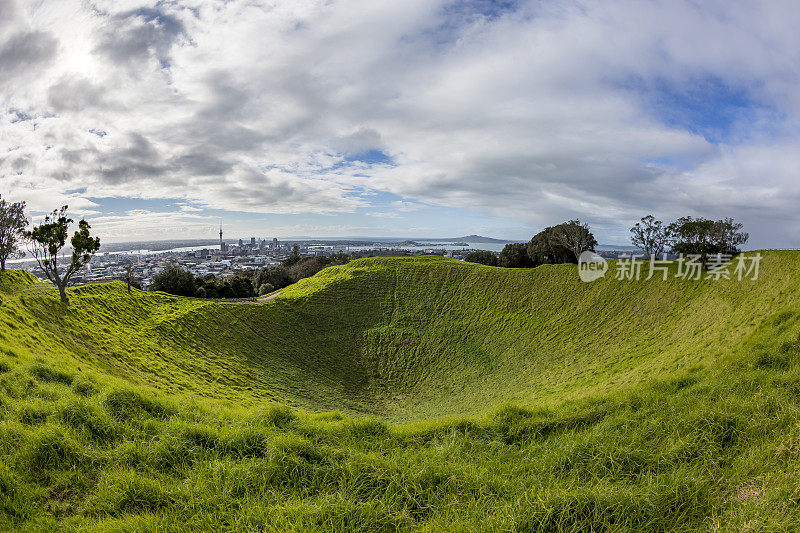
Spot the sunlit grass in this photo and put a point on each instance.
(424, 394)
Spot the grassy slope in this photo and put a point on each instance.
(661, 405)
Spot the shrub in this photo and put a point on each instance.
(482, 257)
(265, 288)
(515, 255)
(174, 280)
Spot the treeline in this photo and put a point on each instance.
(565, 242)
(181, 282)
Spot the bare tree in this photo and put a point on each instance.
(12, 226)
(575, 236)
(130, 275)
(49, 238)
(651, 235)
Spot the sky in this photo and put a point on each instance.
(420, 118)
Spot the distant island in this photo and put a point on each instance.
(471, 239)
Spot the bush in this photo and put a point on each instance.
(277, 276)
(515, 255)
(306, 267)
(483, 257)
(175, 280)
(265, 288)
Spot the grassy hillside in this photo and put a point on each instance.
(518, 400)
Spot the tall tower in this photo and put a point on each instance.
(221, 244)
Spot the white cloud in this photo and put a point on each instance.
(540, 113)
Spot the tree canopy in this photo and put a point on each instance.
(575, 237)
(47, 240)
(705, 237)
(174, 280)
(481, 256)
(650, 235)
(515, 255)
(546, 248)
(12, 227)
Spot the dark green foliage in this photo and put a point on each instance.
(237, 286)
(293, 269)
(481, 257)
(49, 238)
(265, 288)
(276, 276)
(574, 236)
(174, 280)
(305, 267)
(515, 255)
(704, 237)
(545, 248)
(293, 258)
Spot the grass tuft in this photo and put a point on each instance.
(127, 404)
(448, 396)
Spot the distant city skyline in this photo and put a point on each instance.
(419, 118)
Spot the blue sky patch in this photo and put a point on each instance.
(706, 106)
(371, 157)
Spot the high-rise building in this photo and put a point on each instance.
(275, 243)
(241, 243)
(252, 241)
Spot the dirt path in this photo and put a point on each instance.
(269, 296)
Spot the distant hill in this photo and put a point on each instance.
(471, 239)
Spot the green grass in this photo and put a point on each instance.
(406, 393)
